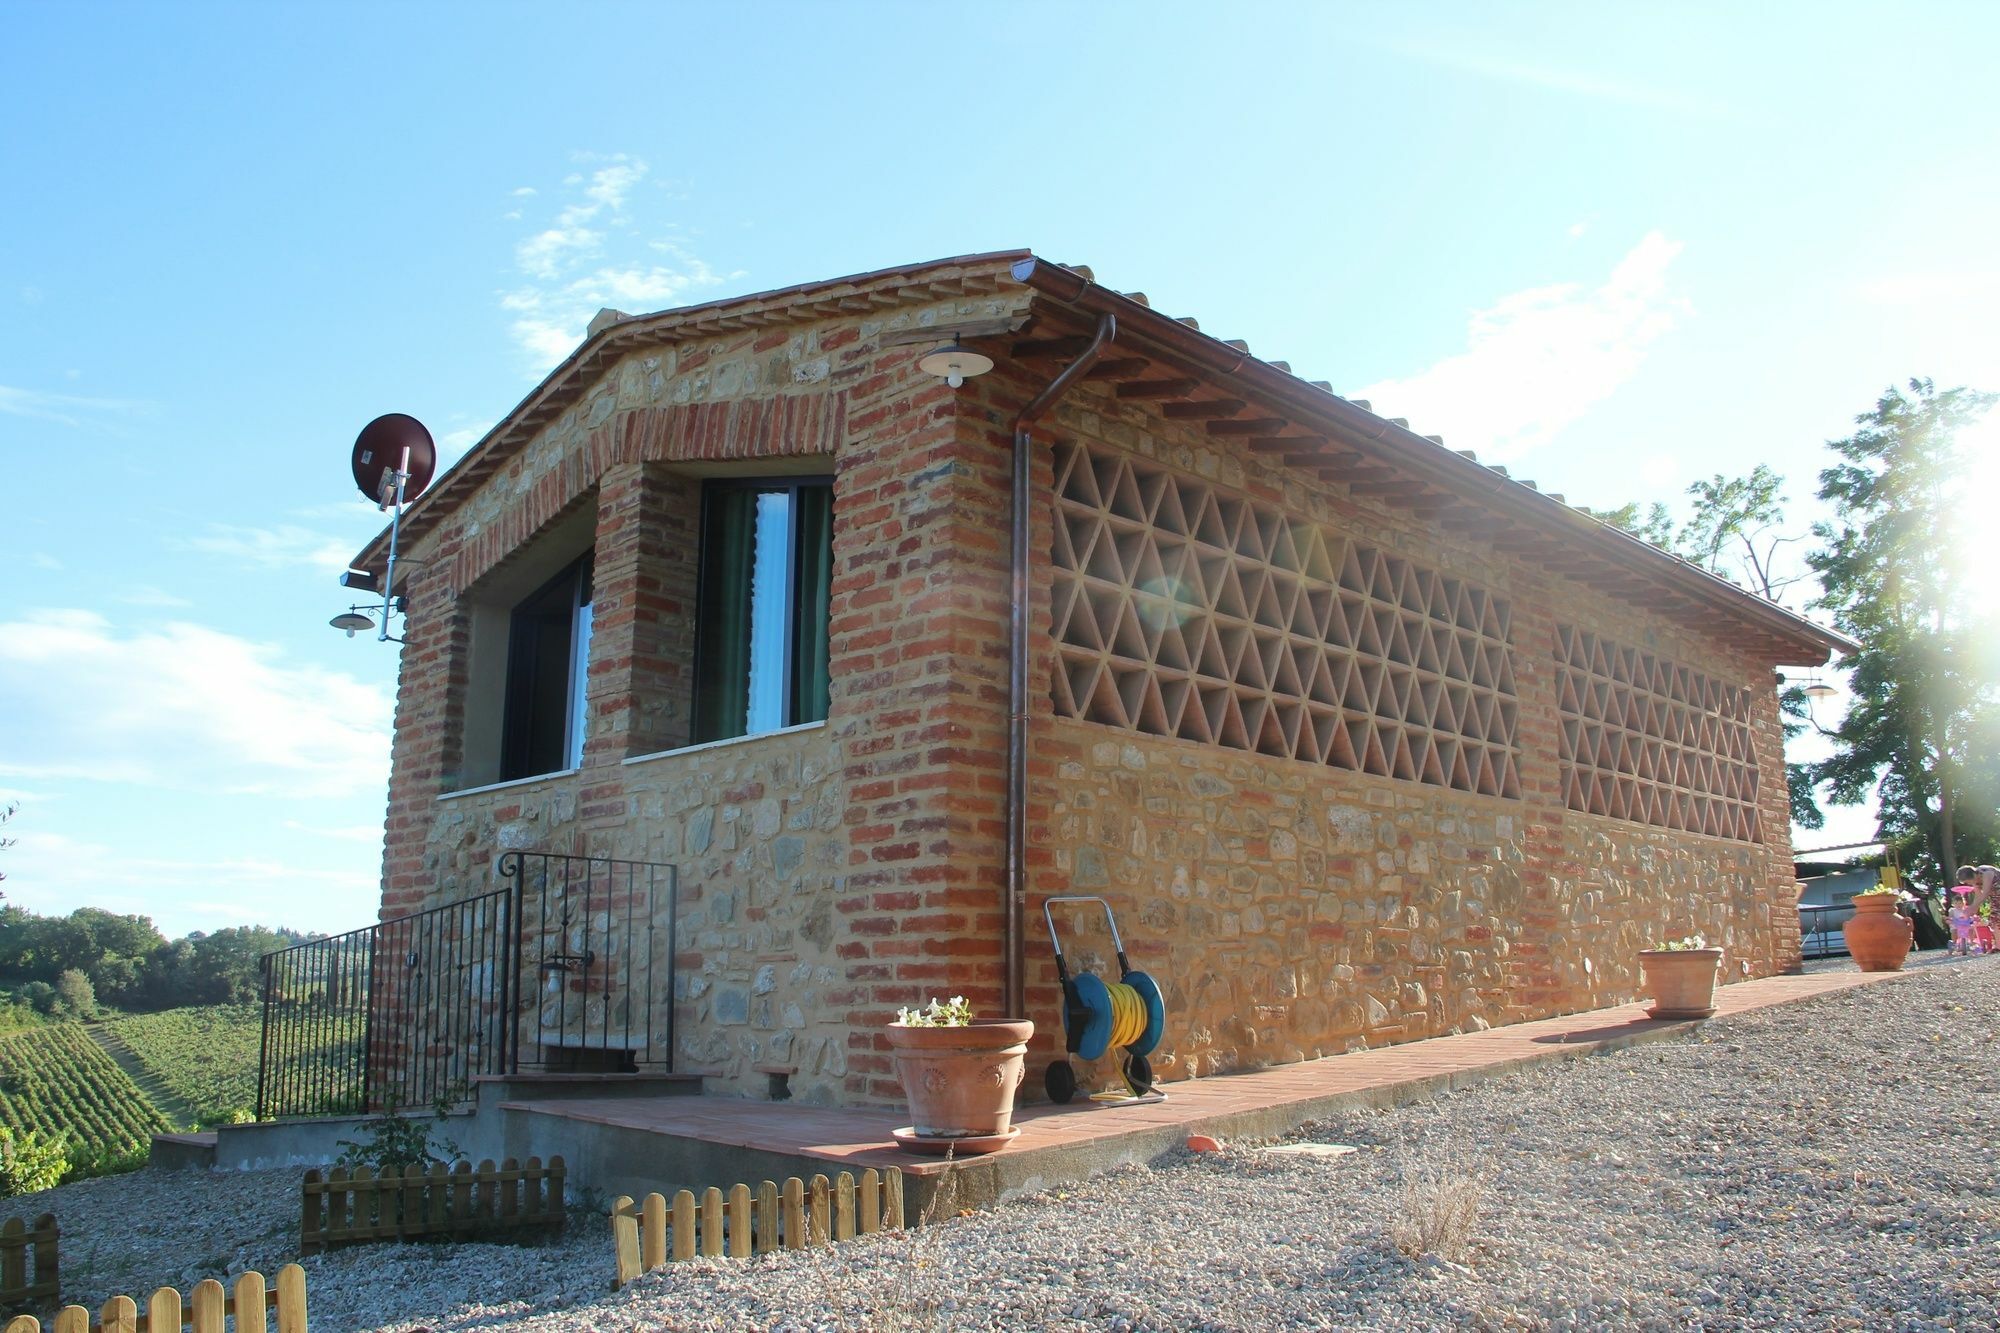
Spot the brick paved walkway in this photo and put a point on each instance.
(1065, 1142)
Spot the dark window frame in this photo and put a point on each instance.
(713, 487)
(521, 693)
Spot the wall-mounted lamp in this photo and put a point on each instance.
(1819, 689)
(351, 621)
(955, 363)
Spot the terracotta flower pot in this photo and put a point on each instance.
(961, 1081)
(1681, 981)
(1878, 936)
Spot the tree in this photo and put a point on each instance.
(75, 994)
(1649, 522)
(1920, 733)
(1735, 528)
(6, 813)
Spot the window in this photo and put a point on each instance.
(761, 640)
(548, 656)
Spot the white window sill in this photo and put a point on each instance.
(511, 782)
(716, 745)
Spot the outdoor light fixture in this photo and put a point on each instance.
(955, 363)
(1819, 689)
(352, 621)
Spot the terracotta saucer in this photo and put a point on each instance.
(972, 1145)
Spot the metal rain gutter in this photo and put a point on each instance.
(1016, 888)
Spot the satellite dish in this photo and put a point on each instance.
(379, 452)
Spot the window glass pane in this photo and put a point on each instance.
(770, 610)
(579, 672)
(548, 647)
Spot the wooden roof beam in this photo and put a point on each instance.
(1202, 411)
(1248, 426)
(1387, 487)
(1068, 345)
(1158, 389)
(1122, 368)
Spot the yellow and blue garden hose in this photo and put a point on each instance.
(1099, 1016)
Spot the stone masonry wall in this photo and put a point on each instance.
(832, 873)
(1291, 910)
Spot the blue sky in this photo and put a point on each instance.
(1616, 247)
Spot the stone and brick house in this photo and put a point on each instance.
(1364, 740)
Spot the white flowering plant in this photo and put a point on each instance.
(1682, 945)
(952, 1013)
(1884, 890)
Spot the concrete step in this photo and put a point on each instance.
(173, 1151)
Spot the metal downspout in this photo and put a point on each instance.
(1017, 664)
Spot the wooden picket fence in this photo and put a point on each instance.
(344, 1207)
(209, 1309)
(26, 1280)
(742, 1224)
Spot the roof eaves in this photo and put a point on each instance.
(551, 395)
(1077, 286)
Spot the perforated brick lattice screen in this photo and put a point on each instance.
(1183, 610)
(1651, 740)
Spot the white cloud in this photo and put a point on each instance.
(182, 707)
(545, 254)
(272, 548)
(609, 185)
(1537, 360)
(1554, 79)
(1577, 229)
(1659, 471)
(43, 560)
(363, 833)
(67, 409)
(50, 872)
(594, 254)
(452, 446)
(526, 192)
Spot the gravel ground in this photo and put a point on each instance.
(1761, 1173)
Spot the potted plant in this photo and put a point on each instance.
(1878, 934)
(1680, 976)
(960, 1077)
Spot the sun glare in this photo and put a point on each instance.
(1979, 447)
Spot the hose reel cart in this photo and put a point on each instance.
(1100, 1016)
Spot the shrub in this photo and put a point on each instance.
(31, 1162)
(397, 1141)
(41, 996)
(75, 993)
(1439, 1206)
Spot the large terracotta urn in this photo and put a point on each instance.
(1681, 981)
(1878, 936)
(961, 1083)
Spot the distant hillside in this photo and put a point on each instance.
(205, 1058)
(56, 1079)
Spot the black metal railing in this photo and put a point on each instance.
(402, 1013)
(558, 969)
(314, 1053)
(593, 947)
(1819, 929)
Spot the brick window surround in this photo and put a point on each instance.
(1181, 609)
